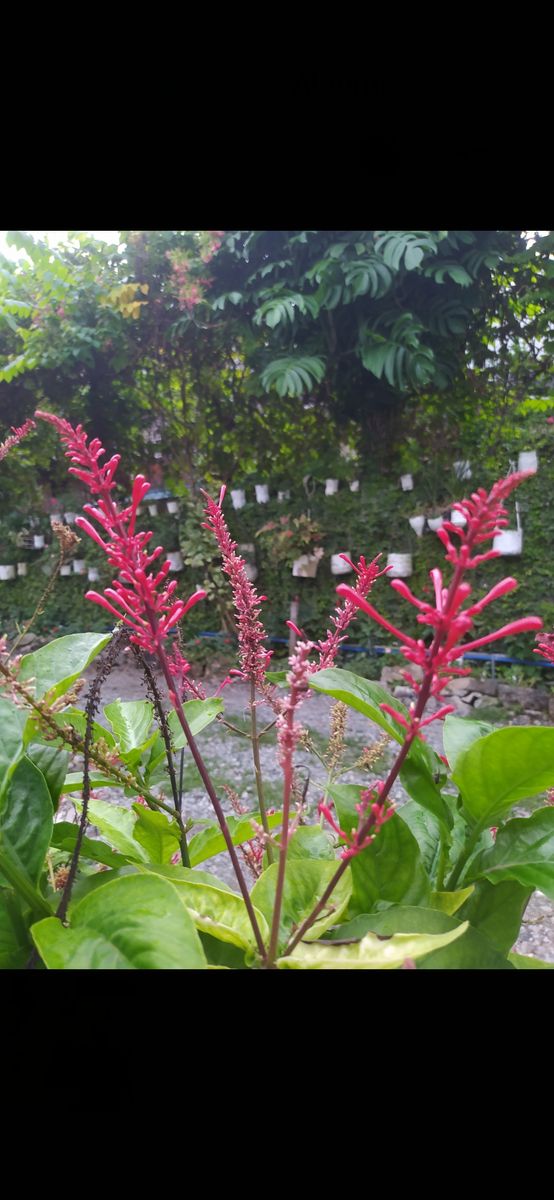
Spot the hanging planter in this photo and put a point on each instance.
(70, 518)
(173, 506)
(355, 485)
(285, 495)
(306, 566)
(79, 566)
(417, 524)
(55, 518)
(7, 571)
(175, 560)
(38, 541)
(462, 469)
(331, 487)
(401, 566)
(153, 510)
(262, 493)
(238, 497)
(509, 542)
(527, 460)
(22, 568)
(66, 569)
(435, 523)
(457, 518)
(338, 565)
(140, 510)
(407, 483)
(93, 574)
(251, 571)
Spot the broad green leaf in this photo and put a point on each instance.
(497, 911)
(64, 837)
(523, 851)
(178, 873)
(222, 954)
(15, 946)
(305, 882)
(131, 721)
(277, 677)
(136, 922)
(118, 827)
(450, 902)
(459, 734)
(371, 953)
(219, 912)
(525, 962)
(78, 721)
(157, 833)
(390, 870)
(52, 763)
(73, 782)
(199, 714)
(56, 666)
(26, 818)
(12, 724)
(422, 764)
(473, 951)
(310, 841)
(426, 832)
(210, 842)
(504, 767)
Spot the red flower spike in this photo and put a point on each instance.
(367, 574)
(16, 436)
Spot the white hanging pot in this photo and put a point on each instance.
(22, 568)
(306, 566)
(7, 571)
(355, 485)
(79, 566)
(527, 460)
(172, 506)
(251, 572)
(70, 518)
(417, 524)
(457, 518)
(331, 487)
(462, 469)
(175, 560)
(407, 483)
(338, 565)
(93, 574)
(66, 569)
(510, 541)
(55, 518)
(238, 497)
(435, 523)
(401, 566)
(262, 493)
(281, 496)
(153, 510)
(38, 541)
(140, 510)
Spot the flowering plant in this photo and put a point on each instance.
(359, 880)
(289, 537)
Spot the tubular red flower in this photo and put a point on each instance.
(16, 436)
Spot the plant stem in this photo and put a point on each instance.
(462, 862)
(287, 791)
(162, 658)
(258, 769)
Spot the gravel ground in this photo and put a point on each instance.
(229, 759)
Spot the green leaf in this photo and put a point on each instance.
(78, 721)
(15, 946)
(472, 951)
(525, 962)
(12, 724)
(305, 882)
(26, 819)
(210, 841)
(523, 851)
(371, 953)
(56, 666)
(73, 782)
(459, 734)
(199, 714)
(504, 767)
(450, 902)
(157, 833)
(390, 870)
(131, 721)
(118, 826)
(310, 841)
(64, 837)
(137, 922)
(215, 909)
(426, 831)
(52, 764)
(277, 677)
(497, 911)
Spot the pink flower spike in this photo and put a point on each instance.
(350, 594)
(500, 589)
(524, 625)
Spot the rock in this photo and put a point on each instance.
(457, 686)
(403, 693)
(487, 687)
(392, 675)
(527, 697)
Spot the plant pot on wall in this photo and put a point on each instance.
(462, 469)
(175, 560)
(401, 566)
(22, 568)
(331, 487)
(457, 518)
(66, 569)
(417, 524)
(238, 497)
(93, 574)
(7, 571)
(355, 485)
(306, 566)
(70, 517)
(509, 542)
(435, 523)
(407, 483)
(79, 566)
(173, 506)
(338, 564)
(153, 510)
(284, 495)
(39, 541)
(262, 493)
(527, 460)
